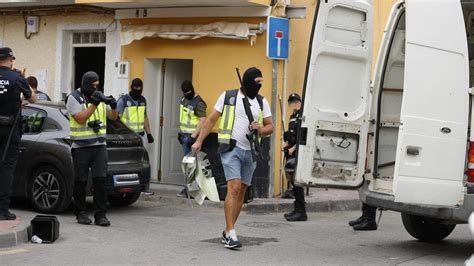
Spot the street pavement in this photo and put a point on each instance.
(162, 233)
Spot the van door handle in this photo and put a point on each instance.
(413, 151)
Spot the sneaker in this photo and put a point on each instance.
(7, 216)
(232, 242)
(223, 237)
(182, 194)
(82, 218)
(148, 193)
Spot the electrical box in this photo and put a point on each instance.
(32, 24)
(123, 76)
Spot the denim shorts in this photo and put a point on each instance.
(238, 164)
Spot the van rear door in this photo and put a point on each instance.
(431, 149)
(332, 142)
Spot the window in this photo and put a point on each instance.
(33, 120)
(89, 37)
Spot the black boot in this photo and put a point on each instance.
(289, 214)
(356, 221)
(288, 194)
(299, 214)
(367, 224)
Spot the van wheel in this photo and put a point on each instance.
(426, 229)
(47, 190)
(123, 199)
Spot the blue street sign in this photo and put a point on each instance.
(278, 37)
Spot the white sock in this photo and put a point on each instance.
(232, 233)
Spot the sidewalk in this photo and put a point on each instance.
(319, 200)
(13, 233)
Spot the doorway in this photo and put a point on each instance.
(89, 59)
(163, 78)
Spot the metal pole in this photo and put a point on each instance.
(273, 139)
(283, 120)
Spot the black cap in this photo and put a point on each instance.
(294, 97)
(6, 52)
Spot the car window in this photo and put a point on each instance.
(51, 125)
(33, 120)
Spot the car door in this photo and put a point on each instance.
(33, 120)
(432, 136)
(334, 126)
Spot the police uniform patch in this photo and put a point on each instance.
(232, 100)
(129, 103)
(3, 91)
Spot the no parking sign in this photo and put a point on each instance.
(278, 37)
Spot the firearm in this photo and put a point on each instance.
(15, 122)
(253, 135)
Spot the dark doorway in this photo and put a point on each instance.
(89, 59)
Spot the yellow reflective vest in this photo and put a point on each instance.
(83, 131)
(133, 115)
(226, 124)
(188, 120)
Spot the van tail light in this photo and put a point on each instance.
(470, 164)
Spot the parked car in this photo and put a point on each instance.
(404, 137)
(44, 172)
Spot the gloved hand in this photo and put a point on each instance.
(150, 138)
(96, 98)
(113, 103)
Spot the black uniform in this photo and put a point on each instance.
(12, 84)
(291, 137)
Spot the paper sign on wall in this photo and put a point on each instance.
(42, 77)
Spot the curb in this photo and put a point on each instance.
(262, 206)
(317, 206)
(15, 236)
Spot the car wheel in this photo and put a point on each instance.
(47, 190)
(426, 229)
(124, 199)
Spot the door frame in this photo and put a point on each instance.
(153, 80)
(64, 50)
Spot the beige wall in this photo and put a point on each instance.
(40, 51)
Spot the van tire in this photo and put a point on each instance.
(426, 229)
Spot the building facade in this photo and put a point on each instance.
(164, 42)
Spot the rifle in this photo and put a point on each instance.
(17, 117)
(253, 135)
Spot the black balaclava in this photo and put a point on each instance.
(86, 83)
(188, 89)
(251, 87)
(136, 89)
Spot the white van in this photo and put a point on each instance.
(403, 138)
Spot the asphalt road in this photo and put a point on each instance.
(153, 233)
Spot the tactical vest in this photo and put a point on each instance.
(226, 143)
(84, 132)
(10, 103)
(133, 116)
(188, 120)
